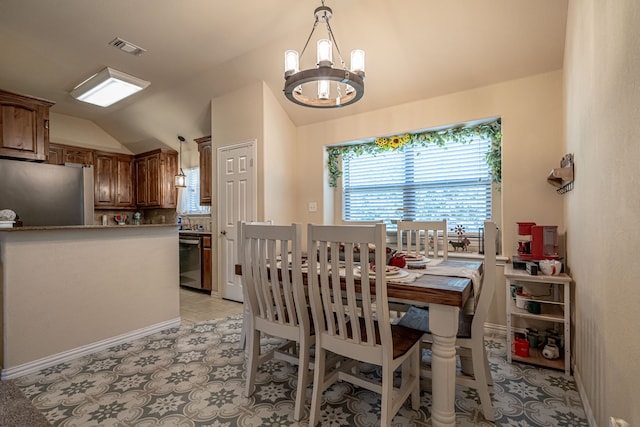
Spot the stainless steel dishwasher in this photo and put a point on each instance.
(190, 261)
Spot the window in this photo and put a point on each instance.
(420, 183)
(189, 197)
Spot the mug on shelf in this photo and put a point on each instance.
(521, 347)
(533, 307)
(550, 267)
(521, 300)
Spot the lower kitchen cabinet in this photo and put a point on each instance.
(207, 259)
(538, 319)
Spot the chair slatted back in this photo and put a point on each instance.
(274, 296)
(425, 237)
(349, 311)
(483, 302)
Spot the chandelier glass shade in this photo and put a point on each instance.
(324, 86)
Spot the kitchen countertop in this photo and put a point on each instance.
(84, 227)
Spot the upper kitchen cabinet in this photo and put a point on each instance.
(154, 176)
(114, 181)
(24, 126)
(59, 154)
(206, 156)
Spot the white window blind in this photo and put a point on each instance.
(420, 184)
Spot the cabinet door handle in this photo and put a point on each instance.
(223, 232)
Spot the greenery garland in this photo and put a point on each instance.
(492, 130)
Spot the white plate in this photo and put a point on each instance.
(422, 261)
(392, 272)
(6, 224)
(414, 257)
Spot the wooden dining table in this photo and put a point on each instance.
(445, 296)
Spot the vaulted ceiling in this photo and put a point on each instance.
(200, 49)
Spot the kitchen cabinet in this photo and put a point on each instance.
(59, 154)
(24, 126)
(206, 157)
(113, 181)
(207, 253)
(154, 179)
(551, 309)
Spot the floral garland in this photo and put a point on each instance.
(492, 130)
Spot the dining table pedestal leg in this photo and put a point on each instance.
(443, 323)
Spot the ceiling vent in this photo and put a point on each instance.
(127, 47)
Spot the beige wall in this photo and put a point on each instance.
(85, 133)
(64, 289)
(253, 113)
(279, 159)
(531, 111)
(602, 97)
(82, 133)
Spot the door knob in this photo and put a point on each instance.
(223, 232)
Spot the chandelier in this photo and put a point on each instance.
(334, 87)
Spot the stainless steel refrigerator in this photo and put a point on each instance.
(46, 195)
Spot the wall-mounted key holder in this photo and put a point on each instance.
(562, 177)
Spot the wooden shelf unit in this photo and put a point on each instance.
(555, 311)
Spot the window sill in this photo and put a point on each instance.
(500, 259)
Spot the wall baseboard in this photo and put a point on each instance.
(585, 400)
(494, 328)
(45, 362)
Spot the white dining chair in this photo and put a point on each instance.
(470, 340)
(424, 237)
(276, 300)
(353, 322)
(246, 318)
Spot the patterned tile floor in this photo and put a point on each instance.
(194, 376)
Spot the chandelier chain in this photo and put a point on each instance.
(309, 38)
(335, 42)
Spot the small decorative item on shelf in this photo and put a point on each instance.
(462, 242)
(120, 219)
(551, 350)
(562, 177)
(136, 218)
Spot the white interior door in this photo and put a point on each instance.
(237, 201)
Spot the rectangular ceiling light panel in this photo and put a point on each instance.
(108, 87)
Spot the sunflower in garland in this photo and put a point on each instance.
(394, 142)
(382, 143)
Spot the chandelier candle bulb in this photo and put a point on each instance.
(357, 61)
(325, 53)
(323, 89)
(291, 62)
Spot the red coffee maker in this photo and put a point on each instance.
(536, 242)
(524, 240)
(544, 242)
